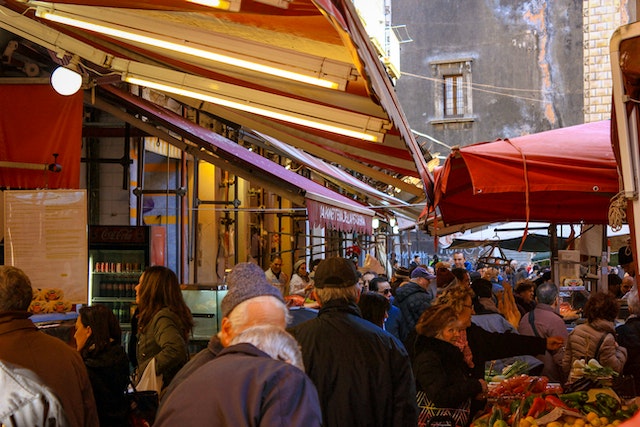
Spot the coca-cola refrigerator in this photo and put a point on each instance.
(117, 257)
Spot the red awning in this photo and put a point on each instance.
(309, 31)
(565, 175)
(28, 143)
(325, 206)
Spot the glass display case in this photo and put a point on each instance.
(204, 302)
(117, 257)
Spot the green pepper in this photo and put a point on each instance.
(587, 407)
(620, 415)
(604, 411)
(496, 414)
(576, 396)
(607, 400)
(527, 404)
(630, 412)
(514, 406)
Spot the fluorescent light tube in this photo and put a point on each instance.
(304, 68)
(280, 107)
(231, 5)
(287, 117)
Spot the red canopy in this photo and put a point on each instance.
(565, 175)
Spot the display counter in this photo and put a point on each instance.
(204, 302)
(59, 325)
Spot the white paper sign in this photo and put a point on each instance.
(46, 236)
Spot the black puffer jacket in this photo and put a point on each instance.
(362, 373)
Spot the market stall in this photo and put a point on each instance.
(562, 176)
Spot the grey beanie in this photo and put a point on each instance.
(245, 281)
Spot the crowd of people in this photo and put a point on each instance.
(375, 351)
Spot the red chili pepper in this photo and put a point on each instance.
(539, 385)
(537, 406)
(556, 402)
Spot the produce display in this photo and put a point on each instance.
(530, 401)
(567, 312)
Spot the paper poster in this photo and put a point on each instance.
(45, 235)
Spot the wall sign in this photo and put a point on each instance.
(46, 236)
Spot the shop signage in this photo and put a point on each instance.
(337, 218)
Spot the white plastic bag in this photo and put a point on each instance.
(149, 379)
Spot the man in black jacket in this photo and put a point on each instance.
(362, 373)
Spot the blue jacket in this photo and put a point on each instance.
(392, 325)
(243, 387)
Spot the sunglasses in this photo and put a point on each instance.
(386, 291)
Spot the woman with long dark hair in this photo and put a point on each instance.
(164, 323)
(98, 336)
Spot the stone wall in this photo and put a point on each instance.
(600, 20)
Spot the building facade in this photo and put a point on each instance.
(481, 70)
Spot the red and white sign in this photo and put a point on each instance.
(337, 218)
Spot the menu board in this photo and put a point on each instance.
(45, 234)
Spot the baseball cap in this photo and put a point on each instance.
(335, 272)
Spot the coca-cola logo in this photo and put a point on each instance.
(118, 234)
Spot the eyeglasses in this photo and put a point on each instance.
(386, 291)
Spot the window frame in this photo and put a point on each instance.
(442, 70)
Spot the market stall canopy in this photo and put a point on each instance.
(325, 207)
(343, 179)
(532, 243)
(510, 236)
(560, 176)
(343, 109)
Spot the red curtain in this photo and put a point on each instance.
(35, 123)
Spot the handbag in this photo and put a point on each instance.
(149, 379)
(141, 407)
(430, 416)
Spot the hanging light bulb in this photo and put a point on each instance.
(375, 223)
(65, 81)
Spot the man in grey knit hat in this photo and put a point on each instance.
(251, 300)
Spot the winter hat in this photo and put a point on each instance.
(402, 272)
(335, 272)
(444, 276)
(297, 265)
(245, 281)
(422, 272)
(482, 288)
(625, 256)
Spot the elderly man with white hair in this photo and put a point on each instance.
(251, 300)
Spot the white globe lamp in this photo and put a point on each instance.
(65, 81)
